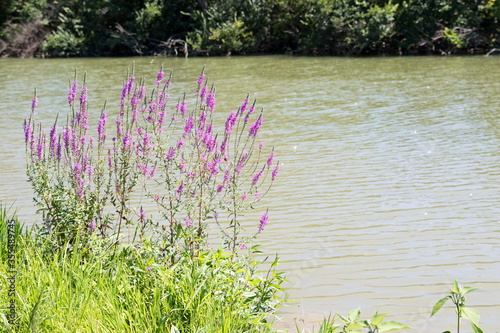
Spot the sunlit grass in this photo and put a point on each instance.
(97, 290)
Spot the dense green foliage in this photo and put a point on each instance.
(342, 27)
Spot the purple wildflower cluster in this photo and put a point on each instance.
(263, 222)
(200, 171)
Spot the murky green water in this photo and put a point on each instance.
(390, 176)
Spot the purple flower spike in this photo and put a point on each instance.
(188, 222)
(59, 149)
(28, 130)
(275, 172)
(183, 108)
(145, 141)
(170, 155)
(110, 158)
(201, 79)
(127, 141)
(231, 121)
(130, 83)
(91, 226)
(243, 106)
(241, 163)
(142, 215)
(211, 101)
(53, 140)
(203, 94)
(270, 159)
(40, 145)
(83, 99)
(159, 77)
(250, 111)
(77, 170)
(72, 93)
(188, 127)
(119, 130)
(161, 117)
(101, 127)
(263, 222)
(254, 129)
(34, 103)
(142, 92)
(180, 189)
(256, 177)
(66, 134)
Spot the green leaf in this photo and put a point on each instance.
(456, 287)
(377, 318)
(391, 326)
(344, 319)
(354, 314)
(356, 325)
(471, 314)
(466, 290)
(439, 305)
(475, 328)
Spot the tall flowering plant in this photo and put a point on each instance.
(85, 185)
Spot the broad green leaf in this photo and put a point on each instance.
(356, 325)
(354, 314)
(456, 287)
(377, 318)
(475, 328)
(471, 314)
(391, 326)
(439, 305)
(466, 290)
(344, 319)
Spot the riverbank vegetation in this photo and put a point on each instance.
(130, 289)
(223, 27)
(165, 179)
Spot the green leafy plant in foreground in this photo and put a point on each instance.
(457, 296)
(125, 291)
(352, 324)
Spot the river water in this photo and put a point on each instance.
(390, 170)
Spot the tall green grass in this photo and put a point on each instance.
(97, 290)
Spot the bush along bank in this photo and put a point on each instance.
(223, 27)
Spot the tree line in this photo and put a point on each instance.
(222, 27)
